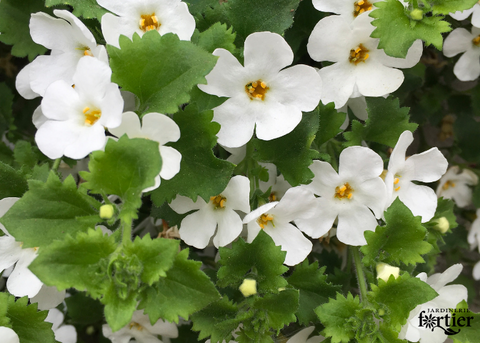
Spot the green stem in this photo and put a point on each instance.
(56, 164)
(362, 284)
(127, 232)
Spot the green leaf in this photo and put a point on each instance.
(279, 308)
(40, 173)
(201, 173)
(397, 31)
(386, 122)
(444, 210)
(50, 211)
(261, 260)
(6, 103)
(216, 36)
(76, 262)
(4, 320)
(125, 168)
(401, 240)
(83, 309)
(14, 26)
(314, 289)
(467, 334)
(451, 6)
(330, 122)
(12, 182)
(339, 317)
(248, 16)
(81, 8)
(119, 308)
(185, 290)
(291, 153)
(398, 296)
(25, 155)
(157, 256)
(28, 323)
(161, 87)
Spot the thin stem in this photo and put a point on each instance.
(56, 164)
(362, 284)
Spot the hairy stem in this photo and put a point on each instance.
(362, 284)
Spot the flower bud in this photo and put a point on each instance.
(416, 14)
(385, 270)
(442, 224)
(248, 287)
(106, 211)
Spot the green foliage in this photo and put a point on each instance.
(125, 168)
(50, 211)
(4, 320)
(397, 31)
(291, 153)
(25, 155)
(279, 309)
(260, 260)
(444, 209)
(313, 288)
(201, 173)
(467, 334)
(329, 123)
(12, 182)
(386, 122)
(401, 240)
(184, 290)
(466, 131)
(81, 8)
(216, 36)
(6, 103)
(14, 26)
(83, 309)
(450, 6)
(160, 87)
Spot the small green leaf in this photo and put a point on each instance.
(451, 6)
(185, 290)
(12, 182)
(386, 122)
(201, 173)
(25, 155)
(339, 317)
(215, 37)
(401, 240)
(261, 260)
(4, 320)
(50, 211)
(125, 168)
(397, 31)
(119, 309)
(291, 153)
(468, 333)
(6, 103)
(314, 290)
(330, 122)
(279, 308)
(444, 210)
(161, 87)
(81, 8)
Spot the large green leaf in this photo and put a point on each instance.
(12, 182)
(329, 122)
(451, 6)
(159, 70)
(81, 8)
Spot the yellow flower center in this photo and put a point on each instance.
(448, 184)
(476, 40)
(272, 197)
(218, 201)
(148, 22)
(361, 6)
(344, 191)
(396, 180)
(91, 115)
(256, 90)
(136, 326)
(264, 219)
(359, 54)
(86, 51)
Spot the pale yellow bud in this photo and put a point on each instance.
(385, 270)
(248, 287)
(416, 14)
(106, 211)
(442, 225)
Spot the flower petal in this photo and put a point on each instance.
(428, 166)
(130, 125)
(229, 227)
(339, 81)
(373, 194)
(353, 223)
(237, 193)
(160, 128)
(397, 158)
(325, 179)
(197, 228)
(112, 28)
(48, 297)
(274, 120)
(53, 137)
(376, 79)
(176, 19)
(52, 33)
(458, 41)
(22, 282)
(330, 40)
(413, 56)
(8, 335)
(183, 204)
(359, 164)
(322, 221)
(421, 200)
(22, 82)
(171, 159)
(291, 240)
(88, 139)
(467, 67)
(61, 102)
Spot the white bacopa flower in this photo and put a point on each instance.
(77, 116)
(360, 68)
(69, 39)
(351, 196)
(263, 95)
(448, 297)
(140, 16)
(141, 330)
(8, 335)
(474, 241)
(457, 185)
(63, 333)
(459, 41)
(217, 217)
(159, 128)
(275, 219)
(349, 9)
(428, 166)
(462, 15)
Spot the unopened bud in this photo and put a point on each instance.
(442, 224)
(248, 287)
(106, 211)
(385, 270)
(416, 14)
(381, 312)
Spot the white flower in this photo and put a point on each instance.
(460, 40)
(274, 218)
(69, 39)
(8, 335)
(63, 333)
(159, 128)
(456, 185)
(448, 297)
(262, 95)
(217, 217)
(77, 116)
(474, 241)
(461, 15)
(351, 196)
(140, 16)
(141, 330)
(360, 68)
(349, 9)
(427, 166)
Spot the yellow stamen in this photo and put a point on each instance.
(361, 6)
(397, 180)
(448, 184)
(264, 219)
(345, 191)
(148, 22)
(476, 40)
(359, 54)
(256, 90)
(218, 201)
(86, 109)
(349, 196)
(360, 3)
(136, 326)
(397, 189)
(91, 116)
(272, 197)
